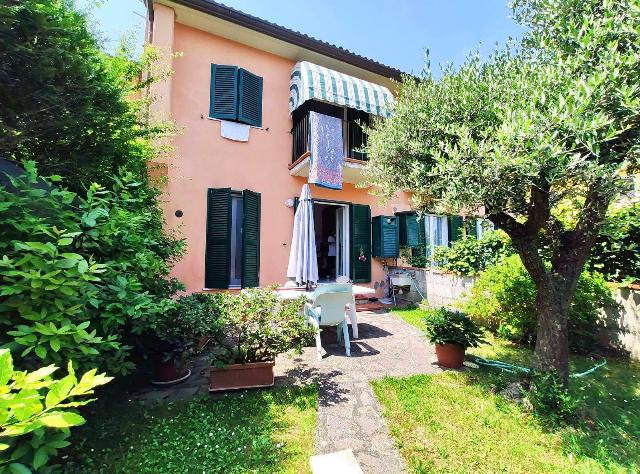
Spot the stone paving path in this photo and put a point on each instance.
(349, 415)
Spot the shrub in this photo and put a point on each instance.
(80, 274)
(504, 298)
(415, 256)
(469, 256)
(257, 326)
(36, 413)
(616, 252)
(443, 326)
(173, 335)
(550, 399)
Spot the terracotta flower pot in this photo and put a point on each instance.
(450, 355)
(169, 372)
(235, 376)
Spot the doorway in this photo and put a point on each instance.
(331, 226)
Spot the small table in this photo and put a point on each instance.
(293, 293)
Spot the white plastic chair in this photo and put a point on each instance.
(328, 309)
(352, 306)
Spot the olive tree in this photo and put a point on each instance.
(536, 137)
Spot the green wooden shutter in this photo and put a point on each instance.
(251, 239)
(218, 246)
(411, 229)
(360, 236)
(455, 228)
(249, 98)
(385, 237)
(422, 231)
(223, 98)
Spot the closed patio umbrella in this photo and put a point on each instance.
(303, 261)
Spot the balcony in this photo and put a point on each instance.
(353, 138)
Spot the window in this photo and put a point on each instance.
(482, 226)
(436, 231)
(232, 254)
(356, 137)
(237, 208)
(235, 94)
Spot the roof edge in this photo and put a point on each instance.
(290, 36)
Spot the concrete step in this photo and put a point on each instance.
(339, 462)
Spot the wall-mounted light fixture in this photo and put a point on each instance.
(289, 203)
(179, 213)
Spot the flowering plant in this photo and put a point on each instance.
(362, 256)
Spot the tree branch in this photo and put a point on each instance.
(575, 245)
(524, 240)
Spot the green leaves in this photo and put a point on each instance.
(443, 326)
(60, 304)
(32, 403)
(254, 326)
(61, 419)
(6, 366)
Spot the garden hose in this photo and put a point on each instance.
(516, 368)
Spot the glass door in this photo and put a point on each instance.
(342, 258)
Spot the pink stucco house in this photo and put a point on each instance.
(243, 93)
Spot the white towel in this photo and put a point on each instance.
(234, 131)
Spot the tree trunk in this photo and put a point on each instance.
(553, 300)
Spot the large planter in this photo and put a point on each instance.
(169, 372)
(235, 376)
(450, 355)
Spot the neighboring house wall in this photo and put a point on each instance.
(203, 159)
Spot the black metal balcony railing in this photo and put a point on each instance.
(352, 131)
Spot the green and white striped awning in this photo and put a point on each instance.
(310, 81)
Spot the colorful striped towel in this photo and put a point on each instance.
(327, 151)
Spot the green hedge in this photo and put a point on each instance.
(469, 256)
(81, 275)
(503, 300)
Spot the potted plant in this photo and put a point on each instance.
(452, 332)
(181, 333)
(256, 327)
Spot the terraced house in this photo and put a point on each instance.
(263, 110)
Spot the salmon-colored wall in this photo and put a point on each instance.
(203, 159)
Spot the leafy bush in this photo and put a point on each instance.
(550, 399)
(443, 326)
(257, 326)
(504, 300)
(34, 413)
(469, 256)
(81, 275)
(415, 256)
(616, 252)
(195, 316)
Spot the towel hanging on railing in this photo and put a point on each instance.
(327, 151)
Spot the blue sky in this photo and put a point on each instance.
(394, 32)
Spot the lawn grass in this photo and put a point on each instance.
(263, 431)
(456, 421)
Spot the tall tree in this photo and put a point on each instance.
(64, 101)
(539, 128)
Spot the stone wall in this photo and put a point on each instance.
(620, 325)
(438, 287)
